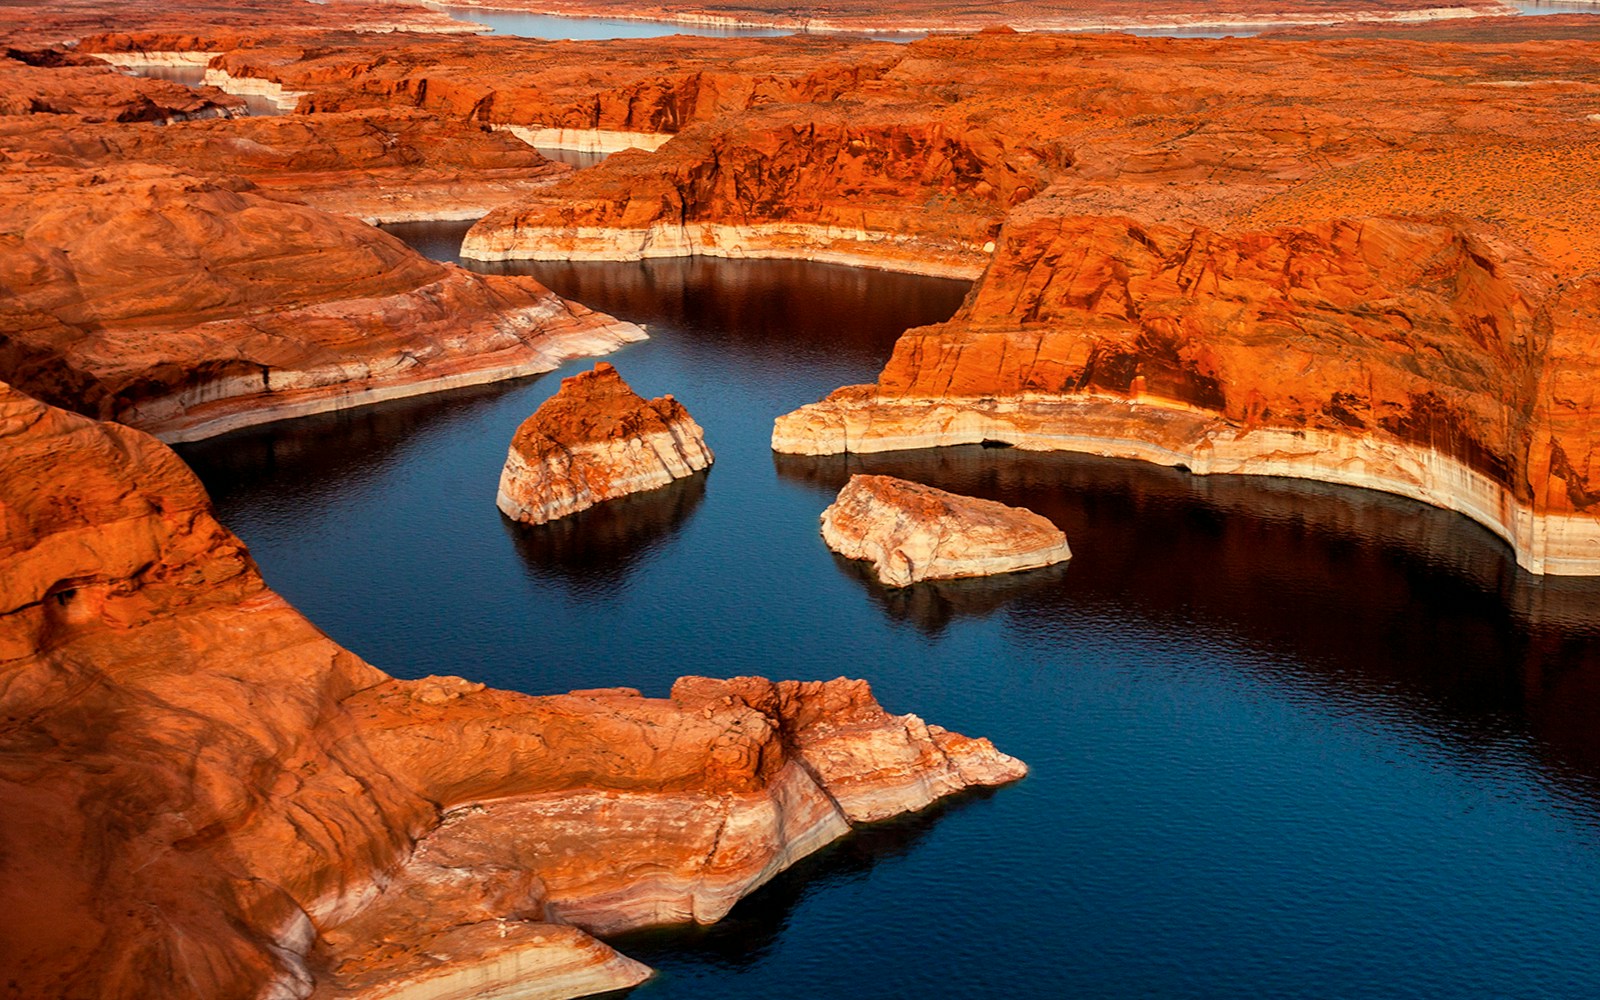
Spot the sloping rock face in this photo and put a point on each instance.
(596, 440)
(189, 307)
(207, 798)
(380, 166)
(1418, 357)
(53, 82)
(910, 532)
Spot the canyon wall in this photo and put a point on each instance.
(1422, 357)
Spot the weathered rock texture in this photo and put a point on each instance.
(208, 798)
(910, 532)
(55, 82)
(1425, 358)
(1281, 296)
(379, 166)
(597, 440)
(189, 307)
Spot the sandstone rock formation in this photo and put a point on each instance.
(208, 798)
(596, 440)
(910, 532)
(189, 307)
(1425, 358)
(56, 82)
(379, 166)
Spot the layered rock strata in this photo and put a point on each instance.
(56, 82)
(379, 166)
(910, 532)
(1422, 357)
(596, 440)
(190, 307)
(208, 798)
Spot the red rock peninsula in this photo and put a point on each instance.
(209, 799)
(910, 532)
(189, 307)
(596, 440)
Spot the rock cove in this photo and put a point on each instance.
(285, 806)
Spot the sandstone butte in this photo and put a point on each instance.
(207, 798)
(596, 440)
(910, 532)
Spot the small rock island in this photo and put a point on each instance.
(910, 532)
(596, 440)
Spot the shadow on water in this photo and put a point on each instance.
(756, 923)
(596, 549)
(750, 301)
(933, 605)
(292, 459)
(1368, 591)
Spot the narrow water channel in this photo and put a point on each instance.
(1287, 740)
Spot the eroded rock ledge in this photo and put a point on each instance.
(1424, 357)
(596, 440)
(189, 306)
(208, 798)
(910, 532)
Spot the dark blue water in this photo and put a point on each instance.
(1287, 740)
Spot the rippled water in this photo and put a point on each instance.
(1287, 740)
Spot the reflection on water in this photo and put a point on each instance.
(525, 25)
(755, 927)
(194, 76)
(594, 550)
(572, 156)
(1286, 739)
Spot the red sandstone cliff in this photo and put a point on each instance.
(1424, 357)
(208, 798)
(188, 307)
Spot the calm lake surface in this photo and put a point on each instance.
(1287, 740)
(526, 25)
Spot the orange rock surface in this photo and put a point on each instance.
(910, 532)
(917, 166)
(189, 307)
(53, 82)
(596, 440)
(207, 798)
(374, 165)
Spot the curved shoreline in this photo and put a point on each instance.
(822, 244)
(1555, 544)
(824, 26)
(209, 418)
